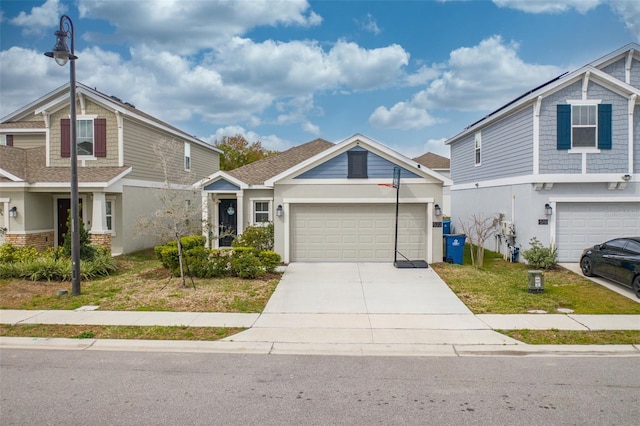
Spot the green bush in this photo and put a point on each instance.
(87, 250)
(539, 256)
(269, 260)
(11, 254)
(245, 264)
(103, 264)
(260, 238)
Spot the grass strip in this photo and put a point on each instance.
(118, 332)
(575, 337)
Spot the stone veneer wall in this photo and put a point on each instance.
(39, 240)
(101, 239)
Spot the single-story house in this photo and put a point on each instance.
(331, 202)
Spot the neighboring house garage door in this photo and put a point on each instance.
(356, 232)
(581, 225)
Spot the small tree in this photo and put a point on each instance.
(238, 152)
(478, 229)
(177, 215)
(539, 256)
(87, 250)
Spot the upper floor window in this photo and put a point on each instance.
(582, 125)
(187, 156)
(91, 137)
(6, 140)
(84, 136)
(478, 148)
(357, 164)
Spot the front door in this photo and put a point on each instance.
(64, 211)
(228, 222)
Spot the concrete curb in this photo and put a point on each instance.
(332, 349)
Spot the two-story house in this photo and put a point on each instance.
(560, 163)
(118, 174)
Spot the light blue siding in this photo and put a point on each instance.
(337, 167)
(616, 69)
(507, 150)
(636, 146)
(552, 160)
(635, 73)
(614, 160)
(222, 185)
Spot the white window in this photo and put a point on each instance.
(261, 211)
(110, 203)
(478, 148)
(187, 157)
(84, 129)
(583, 126)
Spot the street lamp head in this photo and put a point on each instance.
(60, 51)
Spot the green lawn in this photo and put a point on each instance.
(501, 287)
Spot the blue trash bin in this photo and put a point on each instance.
(446, 226)
(454, 248)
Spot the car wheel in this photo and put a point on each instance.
(586, 266)
(636, 286)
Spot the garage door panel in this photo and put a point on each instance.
(357, 232)
(581, 225)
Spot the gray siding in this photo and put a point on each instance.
(203, 161)
(337, 167)
(221, 185)
(616, 69)
(616, 159)
(552, 160)
(507, 150)
(635, 73)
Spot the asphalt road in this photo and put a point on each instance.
(99, 388)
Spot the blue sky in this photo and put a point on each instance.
(408, 74)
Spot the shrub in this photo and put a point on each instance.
(245, 264)
(87, 250)
(260, 238)
(103, 264)
(539, 256)
(270, 260)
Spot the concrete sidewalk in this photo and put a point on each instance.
(334, 334)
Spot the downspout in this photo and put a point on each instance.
(632, 104)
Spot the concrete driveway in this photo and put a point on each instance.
(362, 288)
(366, 306)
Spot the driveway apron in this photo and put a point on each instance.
(362, 288)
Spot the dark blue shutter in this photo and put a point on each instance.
(563, 126)
(604, 126)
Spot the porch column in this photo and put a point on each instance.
(99, 214)
(240, 214)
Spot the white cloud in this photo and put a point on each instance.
(629, 11)
(549, 6)
(188, 26)
(40, 17)
(403, 115)
(369, 24)
(479, 78)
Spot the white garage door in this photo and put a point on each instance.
(357, 232)
(581, 225)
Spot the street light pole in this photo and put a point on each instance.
(62, 55)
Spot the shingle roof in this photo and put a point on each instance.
(30, 165)
(434, 161)
(23, 125)
(259, 171)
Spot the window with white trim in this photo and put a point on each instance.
(261, 211)
(478, 148)
(187, 157)
(584, 122)
(110, 203)
(84, 136)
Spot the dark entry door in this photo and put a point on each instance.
(64, 211)
(228, 215)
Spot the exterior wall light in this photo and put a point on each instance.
(13, 212)
(626, 177)
(548, 210)
(437, 210)
(279, 211)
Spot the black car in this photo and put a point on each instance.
(617, 260)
